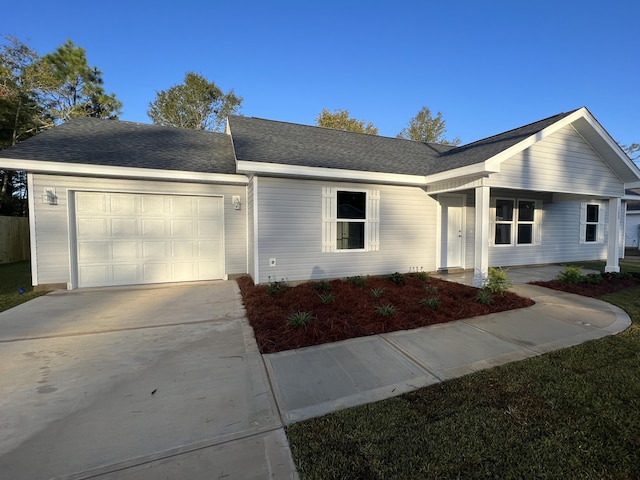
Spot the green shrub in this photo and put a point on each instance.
(431, 302)
(497, 281)
(322, 286)
(571, 275)
(422, 276)
(431, 288)
(299, 318)
(276, 287)
(377, 292)
(386, 310)
(357, 281)
(485, 296)
(397, 278)
(326, 297)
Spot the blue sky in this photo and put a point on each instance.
(487, 66)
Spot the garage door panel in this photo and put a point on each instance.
(124, 227)
(154, 227)
(125, 251)
(123, 204)
(92, 227)
(143, 238)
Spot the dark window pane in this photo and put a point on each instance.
(504, 210)
(592, 213)
(352, 205)
(525, 234)
(592, 233)
(503, 234)
(350, 235)
(525, 211)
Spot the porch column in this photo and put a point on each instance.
(613, 243)
(481, 258)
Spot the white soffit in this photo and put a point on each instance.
(38, 166)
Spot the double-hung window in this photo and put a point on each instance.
(515, 222)
(591, 223)
(350, 220)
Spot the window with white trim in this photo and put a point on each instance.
(516, 222)
(591, 223)
(350, 219)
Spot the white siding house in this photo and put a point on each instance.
(115, 203)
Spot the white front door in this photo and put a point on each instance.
(452, 231)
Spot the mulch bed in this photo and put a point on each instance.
(609, 284)
(353, 310)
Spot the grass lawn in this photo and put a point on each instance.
(573, 413)
(13, 277)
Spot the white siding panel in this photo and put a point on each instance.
(53, 224)
(290, 230)
(562, 162)
(250, 229)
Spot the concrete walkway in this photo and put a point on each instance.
(314, 381)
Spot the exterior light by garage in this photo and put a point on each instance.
(50, 196)
(236, 202)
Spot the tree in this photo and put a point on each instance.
(425, 128)
(197, 104)
(340, 120)
(76, 89)
(633, 151)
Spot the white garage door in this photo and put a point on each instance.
(125, 239)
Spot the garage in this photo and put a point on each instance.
(133, 238)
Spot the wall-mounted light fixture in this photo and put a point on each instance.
(49, 197)
(235, 199)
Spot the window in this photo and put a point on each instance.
(351, 214)
(504, 221)
(350, 220)
(515, 218)
(591, 226)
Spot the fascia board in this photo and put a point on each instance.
(278, 169)
(478, 169)
(496, 160)
(38, 166)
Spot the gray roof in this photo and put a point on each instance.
(95, 141)
(270, 141)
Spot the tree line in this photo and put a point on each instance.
(39, 92)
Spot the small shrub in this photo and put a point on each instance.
(357, 281)
(299, 318)
(422, 276)
(593, 279)
(386, 310)
(276, 287)
(326, 297)
(397, 278)
(485, 296)
(497, 281)
(431, 288)
(377, 292)
(431, 302)
(571, 275)
(322, 286)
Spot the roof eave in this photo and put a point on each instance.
(40, 166)
(338, 174)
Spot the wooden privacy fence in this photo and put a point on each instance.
(14, 239)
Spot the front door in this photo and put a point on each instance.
(452, 232)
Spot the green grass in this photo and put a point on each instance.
(14, 276)
(625, 266)
(573, 413)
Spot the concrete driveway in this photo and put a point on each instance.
(136, 382)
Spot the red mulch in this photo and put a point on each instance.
(352, 312)
(609, 285)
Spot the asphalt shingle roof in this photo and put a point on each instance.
(270, 141)
(95, 141)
